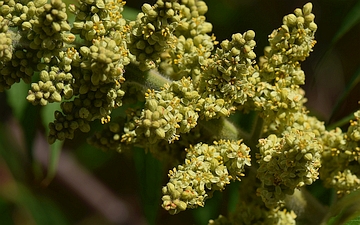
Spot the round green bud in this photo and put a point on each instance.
(116, 137)
(290, 20)
(59, 126)
(31, 97)
(149, 50)
(56, 97)
(147, 123)
(146, 8)
(35, 87)
(155, 124)
(160, 132)
(84, 112)
(43, 102)
(181, 205)
(57, 3)
(56, 26)
(61, 15)
(300, 20)
(249, 35)
(307, 8)
(298, 12)
(72, 8)
(26, 26)
(46, 95)
(313, 26)
(201, 7)
(309, 18)
(308, 156)
(85, 128)
(152, 104)
(4, 9)
(100, 4)
(78, 25)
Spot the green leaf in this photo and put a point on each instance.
(245, 121)
(41, 209)
(150, 172)
(339, 220)
(10, 154)
(55, 150)
(16, 97)
(346, 211)
(210, 210)
(233, 195)
(342, 122)
(130, 13)
(355, 221)
(47, 116)
(351, 19)
(91, 157)
(15, 193)
(5, 212)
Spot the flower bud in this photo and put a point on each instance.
(249, 35)
(307, 8)
(26, 26)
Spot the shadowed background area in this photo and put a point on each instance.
(96, 187)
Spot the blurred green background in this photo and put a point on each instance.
(75, 183)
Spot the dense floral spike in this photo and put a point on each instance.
(341, 156)
(47, 28)
(96, 83)
(51, 87)
(251, 210)
(6, 54)
(230, 76)
(97, 69)
(167, 113)
(5, 41)
(21, 66)
(193, 45)
(98, 18)
(42, 33)
(207, 168)
(280, 69)
(152, 31)
(171, 112)
(287, 162)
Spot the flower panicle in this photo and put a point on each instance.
(207, 168)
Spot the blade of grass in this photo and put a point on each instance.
(351, 19)
(355, 79)
(40, 208)
(16, 98)
(346, 211)
(11, 156)
(150, 172)
(341, 122)
(55, 150)
(47, 116)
